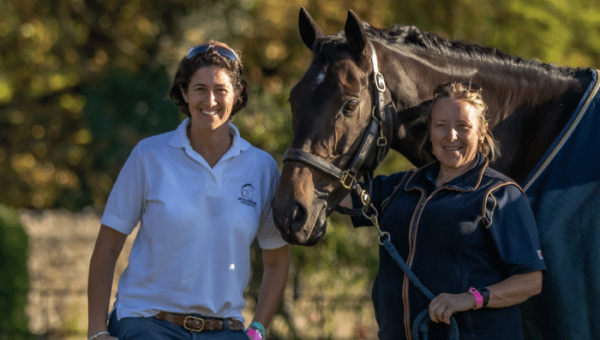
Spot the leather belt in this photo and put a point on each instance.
(198, 324)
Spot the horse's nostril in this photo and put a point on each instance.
(298, 216)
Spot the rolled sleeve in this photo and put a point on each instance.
(126, 201)
(268, 235)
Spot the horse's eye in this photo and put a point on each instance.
(350, 106)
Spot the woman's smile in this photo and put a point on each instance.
(209, 113)
(210, 96)
(455, 135)
(452, 148)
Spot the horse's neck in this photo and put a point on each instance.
(527, 108)
(527, 113)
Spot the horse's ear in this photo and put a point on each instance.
(356, 35)
(309, 30)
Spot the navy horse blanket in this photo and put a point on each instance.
(564, 193)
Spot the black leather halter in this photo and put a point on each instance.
(373, 136)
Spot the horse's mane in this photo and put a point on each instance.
(400, 37)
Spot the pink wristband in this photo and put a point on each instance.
(478, 297)
(253, 334)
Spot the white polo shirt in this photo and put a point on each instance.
(192, 252)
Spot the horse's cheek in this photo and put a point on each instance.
(299, 182)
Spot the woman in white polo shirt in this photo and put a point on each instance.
(201, 194)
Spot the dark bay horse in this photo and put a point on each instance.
(529, 105)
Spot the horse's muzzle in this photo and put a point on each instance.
(297, 226)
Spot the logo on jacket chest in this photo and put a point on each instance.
(247, 195)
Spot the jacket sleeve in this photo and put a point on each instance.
(511, 225)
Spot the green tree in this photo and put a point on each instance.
(60, 58)
(13, 276)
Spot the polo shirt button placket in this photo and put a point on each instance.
(213, 189)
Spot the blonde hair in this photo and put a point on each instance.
(471, 94)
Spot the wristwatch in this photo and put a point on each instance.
(485, 293)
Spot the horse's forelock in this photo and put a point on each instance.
(331, 48)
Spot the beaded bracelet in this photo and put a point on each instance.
(97, 335)
(256, 331)
(258, 326)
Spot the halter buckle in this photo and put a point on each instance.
(345, 180)
(382, 142)
(365, 198)
(379, 82)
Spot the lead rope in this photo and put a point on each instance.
(421, 323)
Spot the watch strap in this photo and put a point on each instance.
(485, 294)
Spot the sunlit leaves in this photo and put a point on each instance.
(54, 50)
(74, 104)
(6, 90)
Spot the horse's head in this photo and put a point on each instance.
(332, 109)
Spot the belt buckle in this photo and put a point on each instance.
(195, 321)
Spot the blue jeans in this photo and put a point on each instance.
(154, 329)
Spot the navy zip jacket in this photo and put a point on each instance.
(473, 231)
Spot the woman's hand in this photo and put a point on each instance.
(444, 305)
(511, 291)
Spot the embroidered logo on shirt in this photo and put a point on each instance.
(247, 195)
(540, 254)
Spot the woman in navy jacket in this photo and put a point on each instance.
(466, 231)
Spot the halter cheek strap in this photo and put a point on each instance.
(380, 111)
(379, 82)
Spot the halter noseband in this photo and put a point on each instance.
(374, 132)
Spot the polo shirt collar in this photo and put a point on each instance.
(468, 181)
(179, 139)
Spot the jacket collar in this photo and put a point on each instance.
(424, 177)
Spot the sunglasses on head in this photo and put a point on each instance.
(471, 87)
(222, 51)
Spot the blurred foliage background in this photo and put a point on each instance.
(81, 82)
(13, 276)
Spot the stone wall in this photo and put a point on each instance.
(60, 248)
